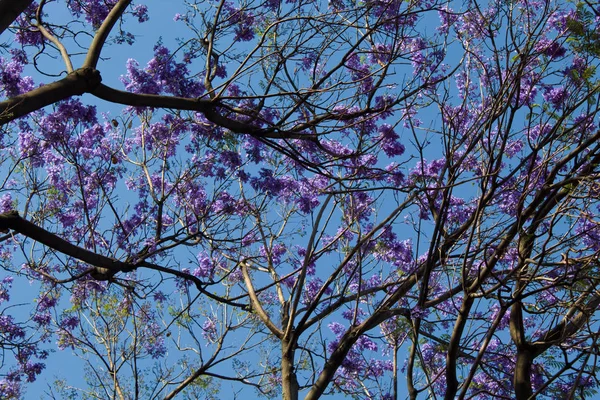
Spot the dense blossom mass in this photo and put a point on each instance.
(384, 199)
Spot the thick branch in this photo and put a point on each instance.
(575, 319)
(105, 266)
(256, 306)
(289, 381)
(333, 363)
(93, 54)
(454, 348)
(12, 220)
(522, 373)
(207, 107)
(76, 83)
(10, 10)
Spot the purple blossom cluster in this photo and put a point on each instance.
(162, 74)
(94, 11)
(357, 366)
(10, 330)
(6, 203)
(83, 289)
(312, 288)
(11, 82)
(588, 229)
(397, 252)
(206, 266)
(66, 338)
(550, 48)
(153, 340)
(209, 330)
(303, 192)
(26, 35)
(360, 73)
(558, 20)
(389, 141)
(555, 95)
(393, 14)
(243, 21)
(380, 54)
(447, 18)
(163, 137)
(14, 338)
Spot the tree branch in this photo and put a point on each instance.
(206, 107)
(78, 82)
(93, 54)
(256, 306)
(12, 220)
(577, 316)
(10, 10)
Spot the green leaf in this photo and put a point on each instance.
(575, 27)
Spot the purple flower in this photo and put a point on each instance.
(82, 289)
(555, 95)
(267, 182)
(10, 388)
(206, 266)
(153, 340)
(11, 81)
(275, 252)
(254, 149)
(5, 285)
(141, 12)
(32, 370)
(550, 48)
(162, 74)
(26, 35)
(69, 322)
(249, 238)
(589, 230)
(231, 159)
(312, 288)
(389, 141)
(209, 330)
(242, 20)
(182, 283)
(159, 297)
(576, 70)
(447, 18)
(9, 330)
(559, 19)
(6, 203)
(337, 328)
(95, 11)
(42, 318)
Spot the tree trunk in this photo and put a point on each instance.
(289, 381)
(522, 377)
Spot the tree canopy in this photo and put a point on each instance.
(380, 199)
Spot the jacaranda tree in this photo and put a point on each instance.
(381, 199)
